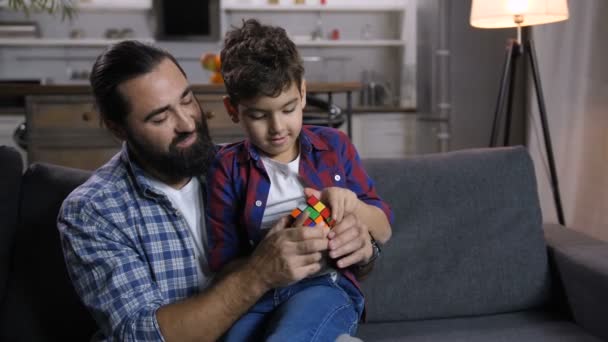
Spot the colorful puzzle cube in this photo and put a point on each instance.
(318, 213)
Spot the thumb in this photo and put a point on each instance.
(279, 225)
(312, 192)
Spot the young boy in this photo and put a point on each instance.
(254, 183)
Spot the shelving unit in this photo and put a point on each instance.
(63, 42)
(401, 43)
(113, 5)
(377, 132)
(354, 7)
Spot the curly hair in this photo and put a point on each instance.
(259, 60)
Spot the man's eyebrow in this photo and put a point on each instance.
(186, 91)
(157, 111)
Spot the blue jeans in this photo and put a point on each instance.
(313, 309)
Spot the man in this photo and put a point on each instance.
(133, 235)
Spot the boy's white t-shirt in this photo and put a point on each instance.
(286, 191)
(188, 200)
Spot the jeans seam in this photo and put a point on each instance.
(329, 317)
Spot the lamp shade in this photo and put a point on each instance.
(502, 13)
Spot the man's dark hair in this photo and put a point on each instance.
(119, 63)
(259, 60)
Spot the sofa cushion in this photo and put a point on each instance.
(467, 237)
(41, 304)
(10, 181)
(521, 327)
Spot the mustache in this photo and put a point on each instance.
(182, 136)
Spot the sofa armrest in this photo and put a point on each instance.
(581, 264)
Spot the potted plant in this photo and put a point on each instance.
(67, 8)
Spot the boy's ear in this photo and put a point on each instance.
(116, 129)
(303, 93)
(232, 111)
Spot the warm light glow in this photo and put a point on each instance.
(501, 13)
(517, 6)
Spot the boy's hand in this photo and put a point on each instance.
(349, 242)
(341, 201)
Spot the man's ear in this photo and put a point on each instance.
(232, 111)
(116, 129)
(303, 93)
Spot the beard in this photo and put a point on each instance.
(178, 163)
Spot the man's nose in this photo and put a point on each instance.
(185, 121)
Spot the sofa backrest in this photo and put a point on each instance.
(11, 168)
(41, 304)
(467, 237)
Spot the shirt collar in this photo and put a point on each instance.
(137, 172)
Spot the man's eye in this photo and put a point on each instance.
(159, 121)
(289, 110)
(187, 100)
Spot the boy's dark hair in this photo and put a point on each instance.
(119, 63)
(259, 60)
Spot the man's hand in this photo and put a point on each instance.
(289, 254)
(341, 201)
(349, 242)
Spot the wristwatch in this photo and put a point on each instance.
(375, 252)
(375, 249)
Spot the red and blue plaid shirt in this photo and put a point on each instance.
(238, 188)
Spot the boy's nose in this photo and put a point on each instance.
(276, 123)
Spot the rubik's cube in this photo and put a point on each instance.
(318, 213)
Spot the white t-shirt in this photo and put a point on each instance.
(286, 192)
(188, 201)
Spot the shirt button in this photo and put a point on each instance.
(258, 203)
(337, 178)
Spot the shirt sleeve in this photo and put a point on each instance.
(358, 181)
(111, 278)
(221, 216)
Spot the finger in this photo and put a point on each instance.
(312, 192)
(352, 259)
(307, 259)
(305, 271)
(298, 234)
(300, 219)
(349, 247)
(279, 225)
(348, 222)
(311, 246)
(341, 206)
(344, 237)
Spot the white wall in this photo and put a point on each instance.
(574, 73)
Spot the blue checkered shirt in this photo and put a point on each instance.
(127, 250)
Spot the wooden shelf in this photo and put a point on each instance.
(313, 8)
(49, 42)
(113, 5)
(349, 43)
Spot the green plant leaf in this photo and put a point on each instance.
(67, 8)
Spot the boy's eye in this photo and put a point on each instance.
(256, 115)
(289, 110)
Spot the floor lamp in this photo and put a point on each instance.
(518, 13)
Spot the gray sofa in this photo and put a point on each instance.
(469, 259)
